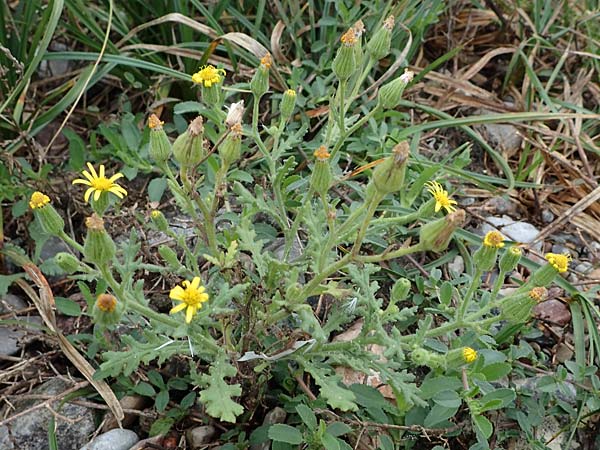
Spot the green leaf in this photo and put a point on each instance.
(76, 149)
(336, 396)
(307, 416)
(495, 371)
(445, 294)
(386, 443)
(484, 426)
(156, 189)
(449, 399)
(188, 401)
(284, 433)
(162, 400)
(432, 386)
(329, 442)
(67, 307)
(217, 396)
(338, 429)
(505, 395)
(438, 414)
(161, 426)
(144, 389)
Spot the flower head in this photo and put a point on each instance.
(558, 261)
(38, 200)
(154, 122)
(321, 153)
(389, 23)
(469, 354)
(191, 296)
(538, 294)
(493, 239)
(106, 303)
(407, 76)
(349, 38)
(266, 61)
(98, 183)
(208, 75)
(442, 199)
(291, 93)
(359, 28)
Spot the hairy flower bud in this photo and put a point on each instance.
(517, 308)
(485, 257)
(67, 262)
(288, 103)
(259, 84)
(345, 64)
(159, 220)
(390, 94)
(379, 45)
(422, 357)
(400, 290)
(435, 236)
(389, 175)
(557, 263)
(321, 176)
(160, 147)
(107, 310)
(51, 222)
(510, 260)
(188, 148)
(460, 356)
(230, 149)
(98, 246)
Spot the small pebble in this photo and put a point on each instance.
(199, 436)
(457, 266)
(117, 439)
(547, 216)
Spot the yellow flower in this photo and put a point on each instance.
(538, 294)
(208, 75)
(38, 200)
(155, 214)
(98, 183)
(442, 199)
(191, 296)
(493, 239)
(349, 38)
(321, 153)
(559, 262)
(266, 61)
(155, 122)
(469, 354)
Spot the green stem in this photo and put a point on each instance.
(352, 129)
(70, 241)
(314, 283)
(497, 284)
(296, 224)
(341, 110)
(373, 204)
(403, 251)
(467, 299)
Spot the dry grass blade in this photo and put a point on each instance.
(570, 213)
(275, 45)
(43, 303)
(246, 42)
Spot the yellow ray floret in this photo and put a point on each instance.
(98, 183)
(208, 75)
(441, 196)
(191, 296)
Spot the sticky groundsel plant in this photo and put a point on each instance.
(243, 302)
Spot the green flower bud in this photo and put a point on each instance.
(259, 84)
(345, 63)
(459, 357)
(188, 148)
(379, 45)
(98, 247)
(159, 220)
(160, 147)
(107, 310)
(67, 262)
(389, 176)
(400, 290)
(49, 219)
(517, 308)
(422, 357)
(510, 259)
(231, 148)
(169, 256)
(390, 94)
(288, 103)
(485, 257)
(435, 236)
(321, 176)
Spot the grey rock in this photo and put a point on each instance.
(197, 437)
(502, 205)
(276, 415)
(53, 246)
(466, 201)
(520, 231)
(10, 335)
(30, 431)
(117, 439)
(504, 136)
(278, 248)
(560, 249)
(58, 67)
(457, 266)
(584, 267)
(547, 216)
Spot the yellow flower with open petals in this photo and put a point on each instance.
(441, 196)
(98, 183)
(208, 75)
(558, 261)
(191, 296)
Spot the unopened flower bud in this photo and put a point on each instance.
(510, 260)
(557, 263)
(379, 45)
(49, 219)
(170, 257)
(422, 357)
(400, 290)
(390, 94)
(321, 176)
(485, 257)
(389, 175)
(231, 148)
(159, 220)
(288, 103)
(436, 235)
(160, 147)
(259, 84)
(517, 308)
(67, 262)
(345, 64)
(188, 148)
(98, 247)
